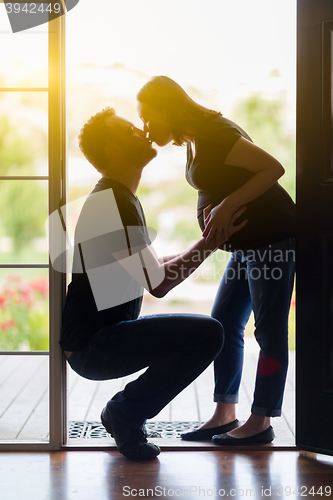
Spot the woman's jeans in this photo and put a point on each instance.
(176, 348)
(261, 280)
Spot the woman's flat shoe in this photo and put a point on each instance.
(207, 434)
(266, 436)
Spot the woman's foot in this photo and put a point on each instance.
(207, 433)
(263, 437)
(223, 420)
(254, 425)
(224, 414)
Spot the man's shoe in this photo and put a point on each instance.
(131, 442)
(266, 436)
(207, 434)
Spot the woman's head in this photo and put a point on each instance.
(168, 112)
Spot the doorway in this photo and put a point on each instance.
(255, 87)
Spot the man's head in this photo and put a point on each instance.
(110, 142)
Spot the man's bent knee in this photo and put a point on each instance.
(214, 335)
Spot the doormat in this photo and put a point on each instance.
(95, 430)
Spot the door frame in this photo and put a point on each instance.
(57, 198)
(314, 284)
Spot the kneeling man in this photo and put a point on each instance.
(102, 334)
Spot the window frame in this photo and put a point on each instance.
(57, 196)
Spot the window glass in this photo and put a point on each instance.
(23, 133)
(24, 309)
(24, 398)
(23, 55)
(24, 210)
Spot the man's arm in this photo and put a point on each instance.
(163, 260)
(179, 268)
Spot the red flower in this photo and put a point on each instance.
(14, 277)
(2, 301)
(40, 285)
(5, 325)
(8, 294)
(24, 295)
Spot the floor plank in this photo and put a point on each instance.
(205, 387)
(289, 402)
(8, 366)
(106, 475)
(106, 390)
(87, 398)
(184, 406)
(36, 427)
(35, 382)
(80, 396)
(17, 377)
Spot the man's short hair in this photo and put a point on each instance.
(94, 136)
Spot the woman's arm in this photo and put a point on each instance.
(266, 169)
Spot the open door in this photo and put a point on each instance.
(314, 348)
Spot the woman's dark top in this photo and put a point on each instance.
(81, 318)
(270, 216)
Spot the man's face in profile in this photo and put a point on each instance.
(136, 148)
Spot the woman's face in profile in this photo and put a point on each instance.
(156, 124)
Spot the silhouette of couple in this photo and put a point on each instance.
(241, 208)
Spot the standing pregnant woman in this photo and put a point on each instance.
(230, 172)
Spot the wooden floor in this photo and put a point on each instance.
(24, 399)
(107, 475)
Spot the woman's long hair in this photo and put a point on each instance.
(165, 95)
